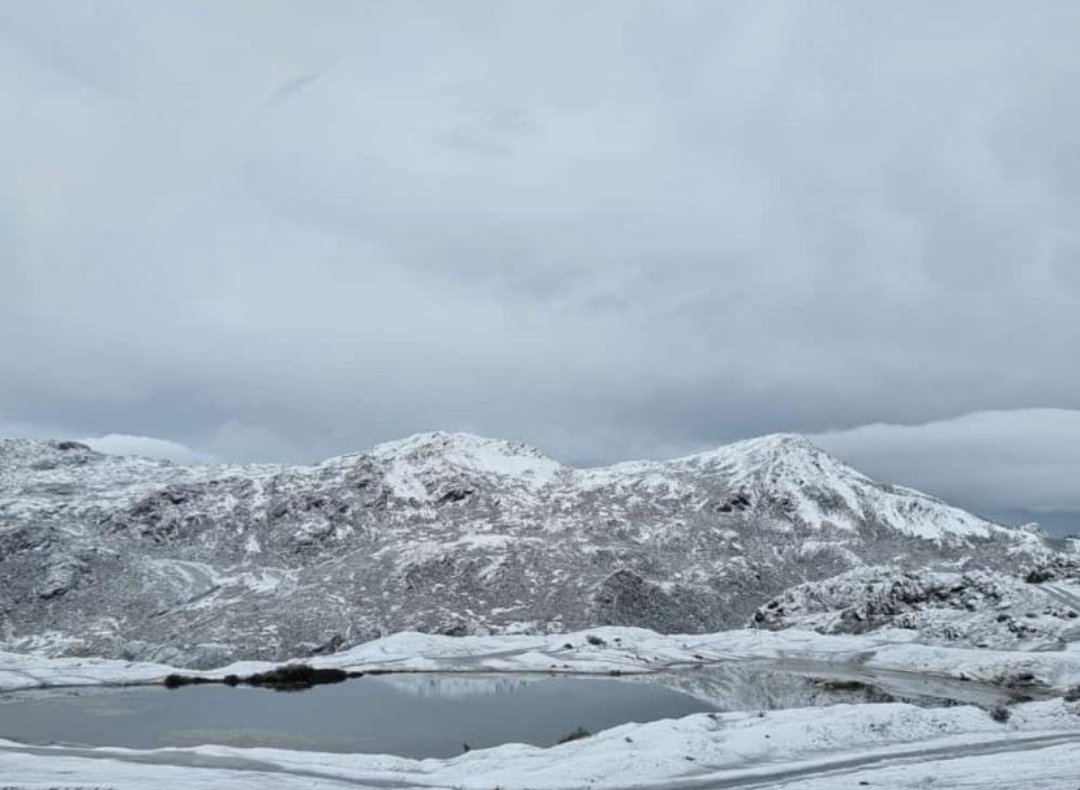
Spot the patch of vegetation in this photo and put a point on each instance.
(576, 735)
(1000, 713)
(456, 495)
(175, 681)
(843, 685)
(290, 677)
(293, 677)
(594, 640)
(67, 446)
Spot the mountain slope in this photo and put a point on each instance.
(974, 608)
(439, 532)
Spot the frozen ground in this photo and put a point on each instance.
(885, 745)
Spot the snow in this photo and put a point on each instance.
(404, 524)
(839, 746)
(789, 464)
(791, 467)
(835, 746)
(622, 650)
(971, 608)
(792, 485)
(426, 454)
(484, 541)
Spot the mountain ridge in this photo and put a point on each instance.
(439, 532)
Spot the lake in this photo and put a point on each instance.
(412, 716)
(436, 715)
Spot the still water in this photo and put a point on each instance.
(412, 716)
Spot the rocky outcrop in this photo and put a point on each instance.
(976, 608)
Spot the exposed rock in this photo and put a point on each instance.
(61, 577)
(978, 608)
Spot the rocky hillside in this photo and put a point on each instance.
(449, 533)
(973, 608)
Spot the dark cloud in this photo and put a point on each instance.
(612, 229)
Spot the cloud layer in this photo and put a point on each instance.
(612, 229)
(1001, 463)
(146, 446)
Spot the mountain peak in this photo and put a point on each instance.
(758, 451)
(428, 451)
(449, 442)
(777, 443)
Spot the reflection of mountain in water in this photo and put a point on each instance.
(746, 685)
(774, 685)
(459, 686)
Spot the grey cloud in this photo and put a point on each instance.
(611, 229)
(1002, 463)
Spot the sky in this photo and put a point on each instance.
(280, 231)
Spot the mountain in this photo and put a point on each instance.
(440, 532)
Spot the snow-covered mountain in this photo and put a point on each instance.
(439, 532)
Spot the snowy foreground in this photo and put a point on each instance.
(884, 745)
(893, 745)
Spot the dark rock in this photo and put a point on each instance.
(68, 446)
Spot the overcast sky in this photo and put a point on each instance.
(284, 230)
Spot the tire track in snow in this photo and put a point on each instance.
(850, 765)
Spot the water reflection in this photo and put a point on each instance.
(415, 716)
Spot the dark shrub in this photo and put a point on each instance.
(1000, 713)
(175, 681)
(67, 446)
(291, 677)
(456, 495)
(843, 685)
(576, 735)
(593, 639)
(295, 676)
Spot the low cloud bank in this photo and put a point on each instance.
(994, 462)
(146, 446)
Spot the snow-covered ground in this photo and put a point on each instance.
(886, 745)
(456, 534)
(975, 608)
(609, 650)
